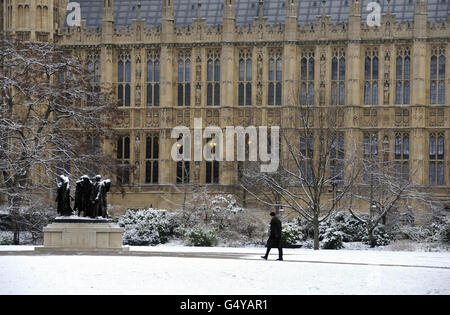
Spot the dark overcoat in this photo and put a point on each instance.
(275, 233)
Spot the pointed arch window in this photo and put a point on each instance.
(123, 158)
(337, 156)
(153, 75)
(183, 167)
(213, 79)
(401, 155)
(152, 159)
(245, 78)
(184, 79)
(437, 75)
(307, 77)
(371, 77)
(275, 77)
(402, 76)
(338, 77)
(124, 80)
(436, 159)
(212, 167)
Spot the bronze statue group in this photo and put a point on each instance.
(90, 197)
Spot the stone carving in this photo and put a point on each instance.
(138, 95)
(322, 93)
(198, 94)
(196, 173)
(386, 84)
(138, 68)
(259, 94)
(136, 171)
(137, 145)
(259, 67)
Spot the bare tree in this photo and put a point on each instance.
(49, 101)
(317, 166)
(384, 187)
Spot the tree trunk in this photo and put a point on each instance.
(372, 238)
(316, 233)
(16, 232)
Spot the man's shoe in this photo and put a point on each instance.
(264, 257)
(281, 259)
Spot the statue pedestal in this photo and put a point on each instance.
(82, 234)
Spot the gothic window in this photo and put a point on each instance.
(338, 77)
(245, 78)
(213, 79)
(123, 158)
(307, 155)
(307, 77)
(94, 73)
(242, 164)
(275, 77)
(152, 159)
(371, 77)
(401, 155)
(337, 160)
(124, 80)
(93, 144)
(370, 145)
(183, 167)
(402, 76)
(184, 79)
(437, 75)
(153, 74)
(212, 167)
(370, 151)
(436, 159)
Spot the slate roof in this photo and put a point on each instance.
(247, 10)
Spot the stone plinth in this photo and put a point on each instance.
(71, 234)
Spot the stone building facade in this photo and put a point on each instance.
(233, 63)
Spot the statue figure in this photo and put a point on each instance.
(100, 189)
(105, 187)
(96, 197)
(83, 196)
(63, 197)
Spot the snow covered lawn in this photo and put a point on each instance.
(208, 271)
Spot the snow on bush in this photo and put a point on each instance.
(201, 236)
(291, 234)
(145, 227)
(343, 227)
(445, 233)
(351, 229)
(434, 232)
(6, 238)
(382, 237)
(234, 225)
(332, 239)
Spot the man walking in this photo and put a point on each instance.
(275, 237)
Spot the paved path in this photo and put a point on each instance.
(288, 258)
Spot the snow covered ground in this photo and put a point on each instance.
(192, 270)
